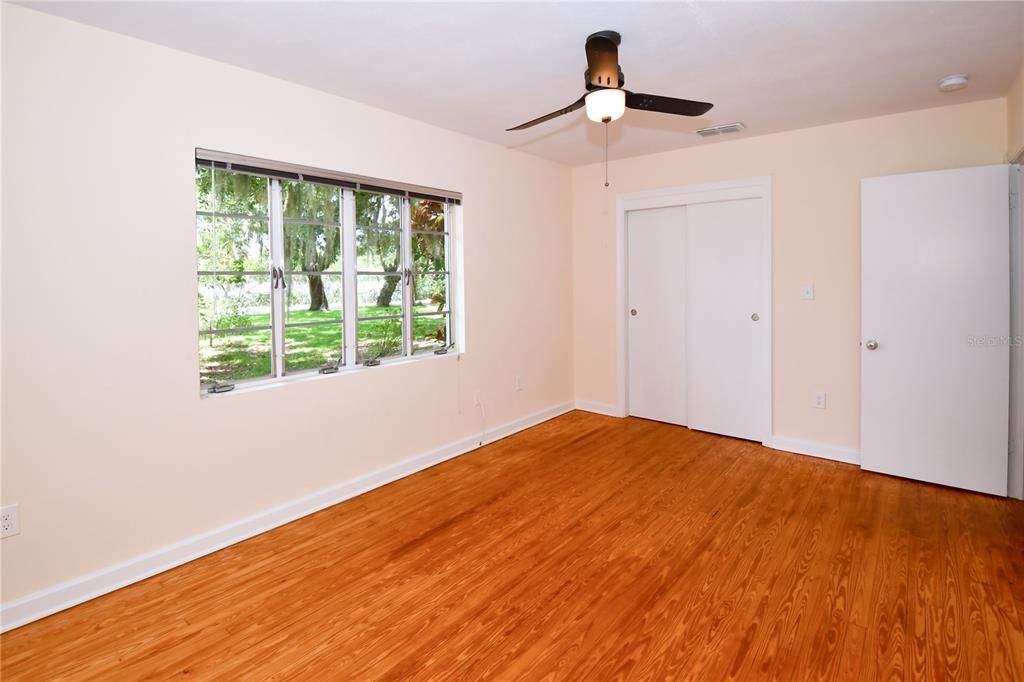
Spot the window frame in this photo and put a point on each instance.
(285, 273)
(446, 314)
(347, 186)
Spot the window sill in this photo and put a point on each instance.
(313, 375)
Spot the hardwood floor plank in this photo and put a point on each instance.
(887, 644)
(587, 548)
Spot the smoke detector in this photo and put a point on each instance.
(958, 81)
(721, 129)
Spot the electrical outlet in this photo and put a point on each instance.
(517, 386)
(10, 521)
(476, 398)
(819, 400)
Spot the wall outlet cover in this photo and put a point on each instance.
(10, 521)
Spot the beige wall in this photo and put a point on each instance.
(816, 176)
(1015, 117)
(107, 447)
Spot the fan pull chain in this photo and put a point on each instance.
(606, 152)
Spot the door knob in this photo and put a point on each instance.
(755, 317)
(871, 344)
(632, 311)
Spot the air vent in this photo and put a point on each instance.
(722, 129)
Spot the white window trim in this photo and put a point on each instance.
(253, 385)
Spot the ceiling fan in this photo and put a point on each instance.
(605, 99)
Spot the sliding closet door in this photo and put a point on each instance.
(727, 390)
(657, 320)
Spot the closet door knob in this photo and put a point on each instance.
(632, 311)
(755, 317)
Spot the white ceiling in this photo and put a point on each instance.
(481, 68)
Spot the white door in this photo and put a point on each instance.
(656, 246)
(726, 321)
(934, 321)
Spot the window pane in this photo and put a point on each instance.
(236, 244)
(312, 247)
(429, 333)
(378, 210)
(430, 293)
(379, 339)
(231, 301)
(379, 295)
(312, 347)
(310, 201)
(428, 252)
(426, 215)
(206, 243)
(378, 250)
(226, 192)
(313, 298)
(234, 357)
(204, 196)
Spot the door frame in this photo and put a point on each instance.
(759, 187)
(1015, 466)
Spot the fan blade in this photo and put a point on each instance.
(603, 59)
(554, 114)
(666, 105)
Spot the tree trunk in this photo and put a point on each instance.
(388, 290)
(317, 296)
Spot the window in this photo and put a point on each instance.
(429, 239)
(380, 271)
(316, 271)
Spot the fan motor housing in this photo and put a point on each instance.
(603, 61)
(613, 36)
(590, 86)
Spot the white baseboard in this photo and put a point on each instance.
(598, 408)
(807, 447)
(46, 602)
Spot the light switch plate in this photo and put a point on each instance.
(807, 291)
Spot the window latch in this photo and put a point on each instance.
(408, 276)
(277, 278)
(444, 350)
(332, 368)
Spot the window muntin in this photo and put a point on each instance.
(277, 290)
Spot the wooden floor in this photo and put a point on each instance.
(587, 548)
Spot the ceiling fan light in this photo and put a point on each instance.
(606, 104)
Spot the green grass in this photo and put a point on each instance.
(246, 355)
